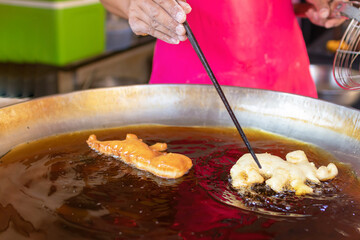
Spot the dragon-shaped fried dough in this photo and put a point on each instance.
(135, 152)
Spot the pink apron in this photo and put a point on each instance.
(248, 43)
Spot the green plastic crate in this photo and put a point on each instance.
(51, 33)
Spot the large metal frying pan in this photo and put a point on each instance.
(329, 126)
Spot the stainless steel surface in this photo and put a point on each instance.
(132, 66)
(328, 89)
(330, 126)
(22, 80)
(346, 57)
(348, 10)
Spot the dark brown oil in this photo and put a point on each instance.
(57, 188)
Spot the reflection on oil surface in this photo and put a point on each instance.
(57, 188)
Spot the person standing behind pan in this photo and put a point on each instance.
(256, 44)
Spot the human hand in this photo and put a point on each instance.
(321, 15)
(162, 19)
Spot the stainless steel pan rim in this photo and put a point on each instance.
(330, 126)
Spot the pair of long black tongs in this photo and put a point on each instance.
(206, 65)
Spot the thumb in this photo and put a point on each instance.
(322, 7)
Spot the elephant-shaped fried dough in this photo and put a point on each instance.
(280, 175)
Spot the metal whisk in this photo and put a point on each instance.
(346, 66)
